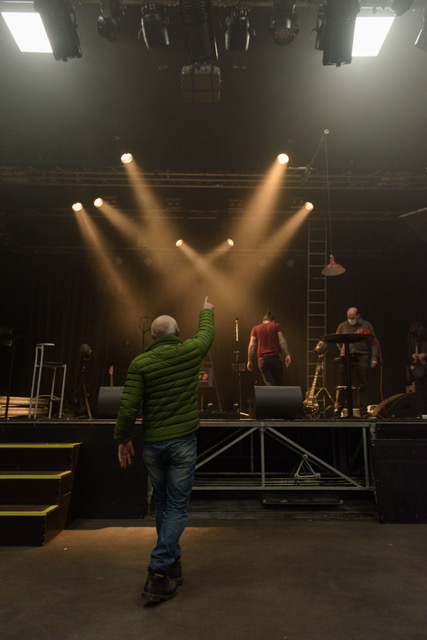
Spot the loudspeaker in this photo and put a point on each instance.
(283, 403)
(109, 401)
(401, 405)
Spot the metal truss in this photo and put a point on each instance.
(310, 473)
(296, 178)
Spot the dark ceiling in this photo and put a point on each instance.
(87, 111)
(84, 113)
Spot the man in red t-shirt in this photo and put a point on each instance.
(270, 341)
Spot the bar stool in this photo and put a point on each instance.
(39, 365)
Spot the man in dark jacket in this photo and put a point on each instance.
(364, 356)
(163, 382)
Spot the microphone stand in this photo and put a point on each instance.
(237, 367)
(143, 328)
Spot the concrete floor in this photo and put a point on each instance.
(252, 576)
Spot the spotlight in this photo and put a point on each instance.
(98, 202)
(230, 242)
(200, 36)
(179, 242)
(421, 41)
(336, 22)
(77, 206)
(237, 30)
(109, 19)
(126, 158)
(309, 206)
(284, 22)
(59, 20)
(154, 26)
(283, 158)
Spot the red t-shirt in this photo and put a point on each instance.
(267, 340)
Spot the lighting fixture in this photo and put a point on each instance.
(282, 158)
(421, 41)
(237, 30)
(179, 242)
(308, 206)
(284, 22)
(109, 19)
(126, 158)
(59, 20)
(332, 268)
(230, 242)
(98, 202)
(154, 26)
(199, 31)
(77, 206)
(336, 22)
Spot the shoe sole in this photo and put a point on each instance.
(154, 598)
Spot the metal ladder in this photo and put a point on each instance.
(316, 294)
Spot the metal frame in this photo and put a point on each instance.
(312, 472)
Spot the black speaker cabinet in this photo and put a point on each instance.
(283, 403)
(401, 405)
(109, 401)
(399, 457)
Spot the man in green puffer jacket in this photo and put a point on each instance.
(164, 382)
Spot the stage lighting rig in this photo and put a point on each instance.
(336, 22)
(283, 22)
(154, 26)
(238, 30)
(109, 19)
(59, 20)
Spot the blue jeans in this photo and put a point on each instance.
(171, 466)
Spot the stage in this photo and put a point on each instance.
(267, 458)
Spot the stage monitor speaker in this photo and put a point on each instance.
(109, 401)
(283, 403)
(401, 405)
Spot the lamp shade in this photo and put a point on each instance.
(333, 268)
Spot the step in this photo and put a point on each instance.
(32, 525)
(34, 487)
(38, 456)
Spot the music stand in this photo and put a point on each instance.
(346, 339)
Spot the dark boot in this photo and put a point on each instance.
(175, 572)
(158, 587)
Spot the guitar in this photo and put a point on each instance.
(310, 404)
(110, 373)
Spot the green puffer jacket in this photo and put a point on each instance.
(165, 381)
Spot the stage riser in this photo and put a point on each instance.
(103, 490)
